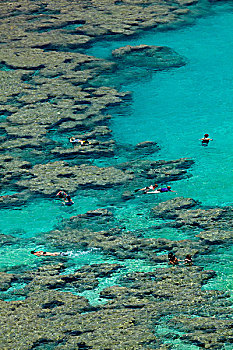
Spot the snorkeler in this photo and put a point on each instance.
(165, 189)
(42, 253)
(205, 140)
(82, 142)
(188, 260)
(172, 259)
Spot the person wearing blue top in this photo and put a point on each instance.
(165, 189)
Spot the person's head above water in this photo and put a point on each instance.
(169, 187)
(170, 255)
(206, 135)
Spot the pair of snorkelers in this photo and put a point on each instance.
(172, 260)
(66, 197)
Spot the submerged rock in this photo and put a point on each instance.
(136, 63)
(150, 56)
(160, 171)
(216, 236)
(181, 210)
(7, 240)
(145, 148)
(17, 199)
(6, 280)
(171, 208)
(216, 222)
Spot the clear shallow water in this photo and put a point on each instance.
(42, 215)
(221, 262)
(174, 108)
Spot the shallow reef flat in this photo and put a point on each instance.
(50, 90)
(131, 312)
(48, 317)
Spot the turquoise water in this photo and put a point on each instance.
(174, 108)
(177, 106)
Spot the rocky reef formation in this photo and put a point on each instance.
(134, 311)
(47, 179)
(52, 176)
(135, 307)
(216, 222)
(78, 24)
(160, 171)
(46, 88)
(135, 63)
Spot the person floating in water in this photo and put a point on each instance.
(82, 142)
(68, 201)
(42, 253)
(61, 195)
(205, 140)
(165, 189)
(172, 259)
(146, 189)
(188, 260)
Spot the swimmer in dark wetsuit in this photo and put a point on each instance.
(172, 259)
(42, 253)
(205, 140)
(68, 201)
